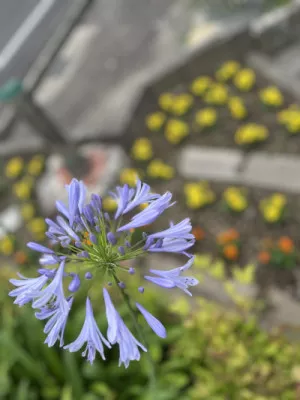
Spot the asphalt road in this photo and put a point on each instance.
(25, 27)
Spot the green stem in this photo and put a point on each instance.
(141, 336)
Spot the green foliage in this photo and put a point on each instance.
(231, 358)
(209, 354)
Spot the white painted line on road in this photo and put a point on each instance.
(24, 31)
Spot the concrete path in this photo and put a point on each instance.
(260, 169)
(99, 73)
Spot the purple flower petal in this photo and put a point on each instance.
(163, 282)
(53, 290)
(149, 214)
(61, 207)
(174, 277)
(26, 288)
(73, 194)
(38, 247)
(75, 283)
(179, 231)
(153, 322)
(170, 245)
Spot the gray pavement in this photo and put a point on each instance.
(124, 44)
(94, 82)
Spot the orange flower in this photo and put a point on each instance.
(231, 252)
(20, 257)
(198, 233)
(264, 257)
(285, 244)
(228, 236)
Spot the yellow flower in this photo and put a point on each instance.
(237, 108)
(109, 204)
(272, 213)
(293, 125)
(37, 228)
(181, 104)
(227, 71)
(278, 200)
(290, 118)
(27, 211)
(217, 94)
(245, 79)
(206, 118)
(235, 199)
(272, 207)
(200, 85)
(176, 131)
(7, 246)
(271, 96)
(153, 169)
(198, 195)
(129, 176)
(142, 149)
(165, 101)
(251, 133)
(23, 188)
(158, 169)
(155, 121)
(14, 167)
(35, 165)
(238, 204)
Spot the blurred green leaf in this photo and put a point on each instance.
(66, 393)
(5, 381)
(73, 374)
(22, 392)
(101, 389)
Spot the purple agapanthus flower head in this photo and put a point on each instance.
(101, 247)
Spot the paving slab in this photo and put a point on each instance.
(285, 310)
(272, 171)
(21, 140)
(220, 164)
(10, 220)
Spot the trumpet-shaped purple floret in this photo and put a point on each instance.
(118, 333)
(26, 288)
(172, 278)
(181, 230)
(150, 213)
(57, 313)
(170, 245)
(53, 291)
(90, 335)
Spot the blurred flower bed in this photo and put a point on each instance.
(19, 178)
(234, 107)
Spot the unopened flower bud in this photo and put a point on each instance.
(111, 238)
(88, 275)
(75, 283)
